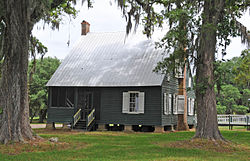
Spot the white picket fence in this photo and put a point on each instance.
(242, 120)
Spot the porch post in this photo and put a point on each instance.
(51, 126)
(76, 99)
(128, 128)
(159, 129)
(102, 127)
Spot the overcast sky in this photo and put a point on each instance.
(105, 16)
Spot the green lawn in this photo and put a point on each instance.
(238, 128)
(128, 146)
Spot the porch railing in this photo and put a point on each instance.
(76, 117)
(91, 117)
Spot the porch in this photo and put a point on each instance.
(74, 106)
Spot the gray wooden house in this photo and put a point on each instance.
(107, 81)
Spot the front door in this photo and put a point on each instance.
(87, 104)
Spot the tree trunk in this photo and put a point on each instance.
(42, 115)
(182, 124)
(207, 125)
(15, 124)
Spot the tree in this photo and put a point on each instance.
(245, 98)
(17, 19)
(207, 22)
(243, 70)
(224, 73)
(231, 79)
(38, 92)
(229, 98)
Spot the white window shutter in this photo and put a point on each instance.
(174, 105)
(180, 104)
(165, 103)
(125, 102)
(189, 106)
(189, 82)
(192, 106)
(169, 104)
(141, 102)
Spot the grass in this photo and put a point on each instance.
(36, 120)
(237, 128)
(128, 146)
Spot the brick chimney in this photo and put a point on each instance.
(85, 27)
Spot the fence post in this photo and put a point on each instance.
(248, 128)
(230, 120)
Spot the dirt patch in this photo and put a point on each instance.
(207, 145)
(41, 125)
(38, 145)
(107, 133)
(56, 131)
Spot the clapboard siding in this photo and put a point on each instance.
(170, 87)
(96, 103)
(191, 120)
(167, 120)
(60, 114)
(174, 119)
(111, 106)
(108, 105)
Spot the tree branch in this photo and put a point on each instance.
(244, 33)
(219, 7)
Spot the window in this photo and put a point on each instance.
(192, 107)
(174, 104)
(189, 106)
(180, 104)
(167, 103)
(133, 102)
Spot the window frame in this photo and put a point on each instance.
(126, 109)
(167, 100)
(180, 104)
(135, 102)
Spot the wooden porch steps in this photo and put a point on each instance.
(81, 125)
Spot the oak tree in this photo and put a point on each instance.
(17, 19)
(208, 23)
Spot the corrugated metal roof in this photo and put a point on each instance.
(110, 59)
